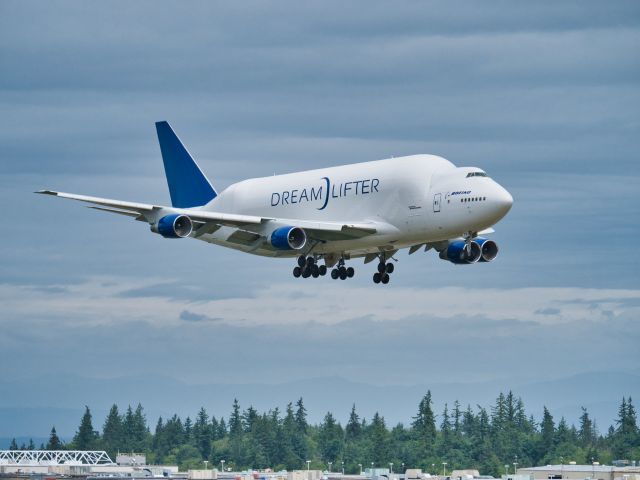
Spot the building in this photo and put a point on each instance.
(581, 472)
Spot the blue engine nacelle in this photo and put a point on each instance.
(488, 249)
(173, 226)
(457, 253)
(288, 238)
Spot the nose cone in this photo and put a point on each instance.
(502, 201)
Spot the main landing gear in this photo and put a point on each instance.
(308, 267)
(385, 269)
(341, 272)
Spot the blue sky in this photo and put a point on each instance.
(543, 95)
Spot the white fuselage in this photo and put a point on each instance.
(411, 200)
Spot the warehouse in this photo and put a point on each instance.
(581, 472)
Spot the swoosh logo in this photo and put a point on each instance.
(326, 199)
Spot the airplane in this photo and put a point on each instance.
(326, 217)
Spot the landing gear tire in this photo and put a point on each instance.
(381, 267)
(310, 261)
(389, 267)
(323, 270)
(306, 273)
(385, 278)
(297, 271)
(302, 261)
(335, 274)
(343, 273)
(376, 277)
(315, 271)
(350, 272)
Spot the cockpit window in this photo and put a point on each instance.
(476, 174)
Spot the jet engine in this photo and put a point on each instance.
(488, 248)
(288, 238)
(173, 226)
(457, 253)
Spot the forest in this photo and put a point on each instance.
(491, 439)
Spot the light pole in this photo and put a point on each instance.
(515, 465)
(222, 463)
(433, 468)
(506, 469)
(444, 469)
(342, 468)
(308, 463)
(391, 468)
(360, 465)
(330, 463)
(205, 464)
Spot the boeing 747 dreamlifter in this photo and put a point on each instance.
(326, 217)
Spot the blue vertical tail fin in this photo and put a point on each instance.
(187, 184)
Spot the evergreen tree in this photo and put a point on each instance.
(330, 436)
(445, 429)
(290, 436)
(464, 438)
(424, 426)
(14, 445)
(159, 443)
(457, 414)
(563, 433)
(54, 442)
(202, 433)
(353, 428)
(235, 434)
(112, 431)
(86, 437)
(140, 430)
(379, 438)
(249, 417)
(547, 434)
(301, 416)
(188, 430)
(586, 434)
(222, 428)
(299, 441)
(235, 420)
(626, 436)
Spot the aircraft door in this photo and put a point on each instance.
(437, 198)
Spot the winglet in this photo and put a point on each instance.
(187, 184)
(47, 192)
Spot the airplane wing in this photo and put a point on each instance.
(211, 221)
(146, 212)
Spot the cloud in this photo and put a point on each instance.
(109, 300)
(541, 95)
(188, 316)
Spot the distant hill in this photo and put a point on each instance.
(29, 407)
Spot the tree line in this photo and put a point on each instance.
(485, 439)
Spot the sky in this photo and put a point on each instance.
(544, 96)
